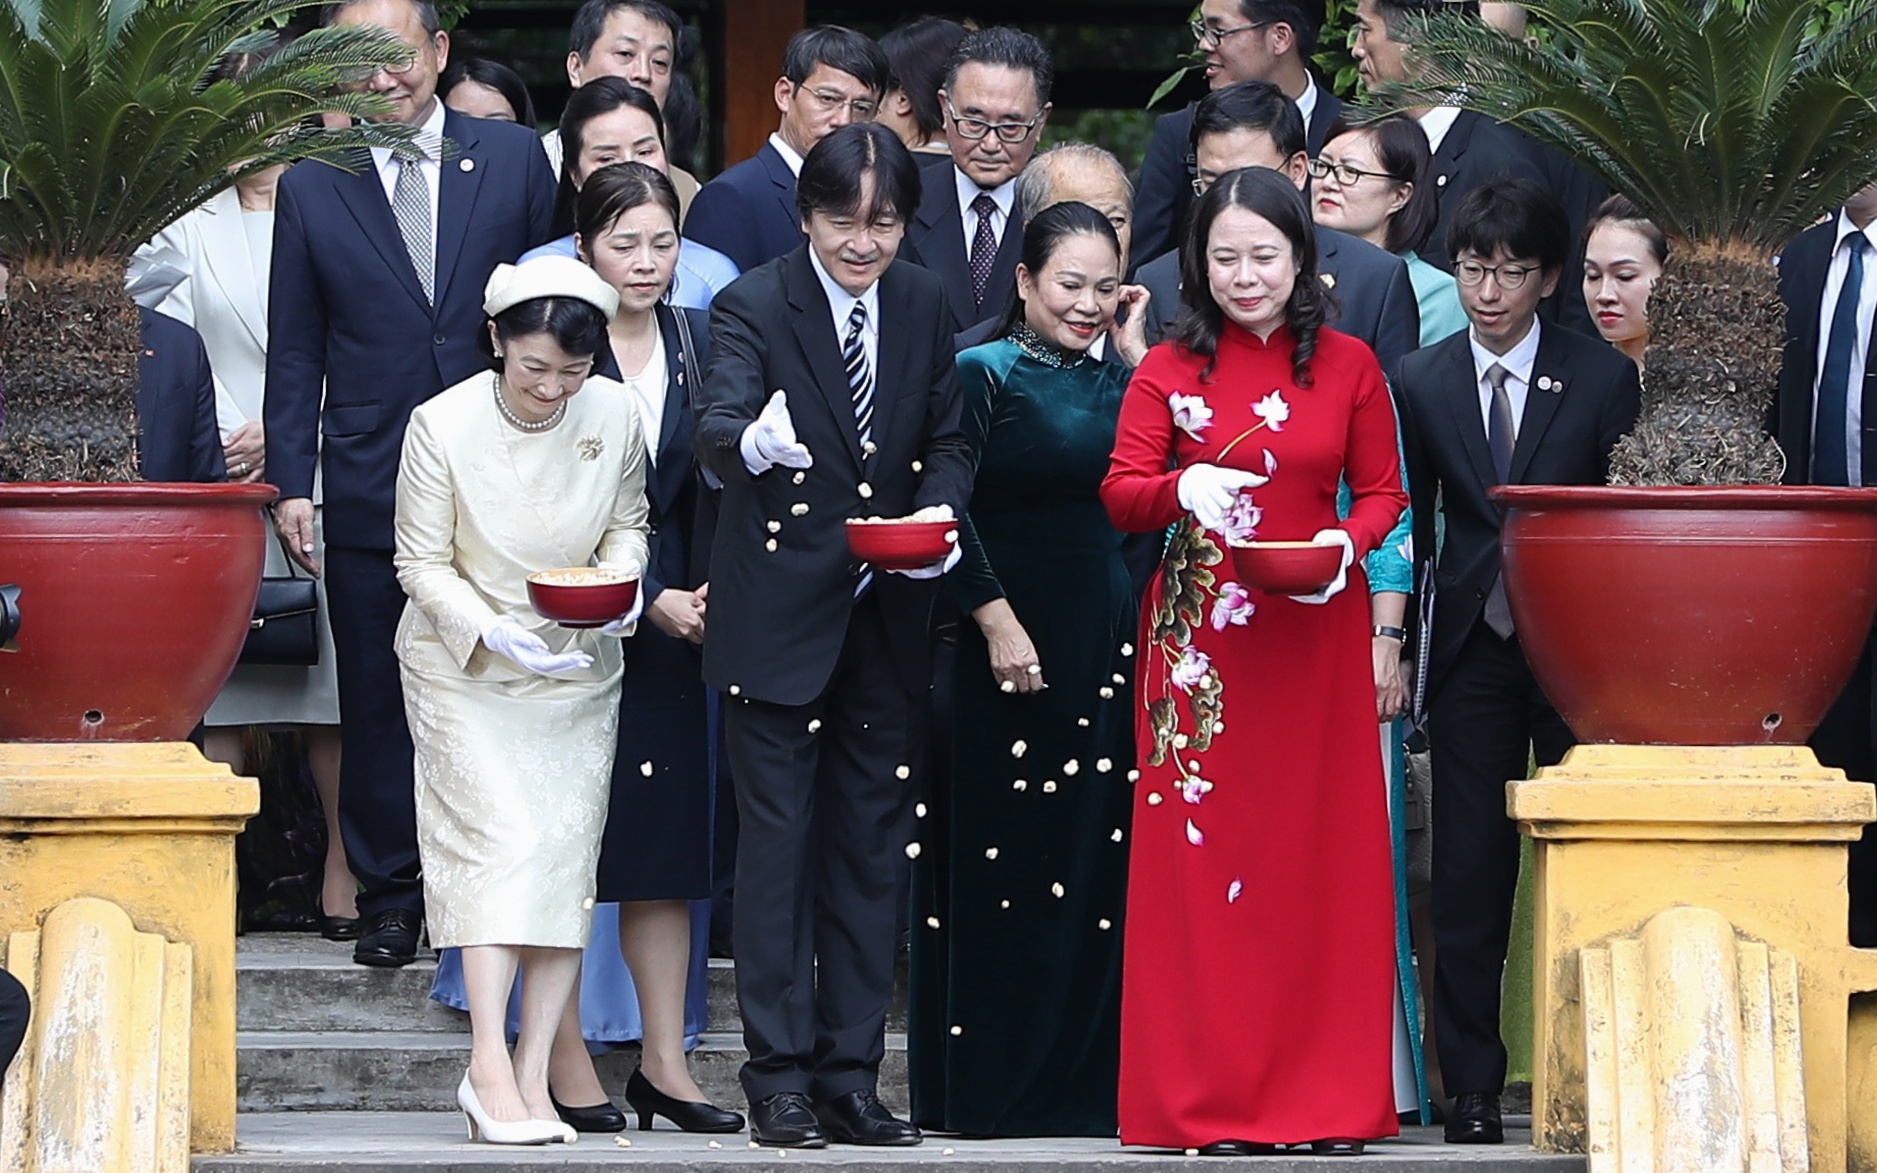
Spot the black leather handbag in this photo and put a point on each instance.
(285, 629)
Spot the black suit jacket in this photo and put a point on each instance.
(353, 346)
(1802, 269)
(1164, 191)
(1474, 150)
(1564, 438)
(748, 213)
(177, 437)
(778, 617)
(1371, 295)
(936, 241)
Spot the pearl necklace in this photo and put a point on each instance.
(501, 405)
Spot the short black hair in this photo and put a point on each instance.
(616, 189)
(840, 49)
(497, 77)
(590, 22)
(917, 53)
(832, 174)
(1251, 105)
(600, 96)
(578, 327)
(1010, 48)
(1045, 231)
(1305, 18)
(426, 13)
(1516, 215)
(1401, 150)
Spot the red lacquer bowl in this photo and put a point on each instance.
(604, 596)
(1286, 568)
(900, 545)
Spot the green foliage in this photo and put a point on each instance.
(1332, 57)
(110, 127)
(1732, 123)
(1125, 133)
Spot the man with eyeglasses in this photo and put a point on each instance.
(374, 306)
(967, 230)
(831, 76)
(1507, 401)
(1252, 124)
(1240, 40)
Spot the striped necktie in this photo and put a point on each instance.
(860, 382)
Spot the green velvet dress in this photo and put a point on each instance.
(1020, 884)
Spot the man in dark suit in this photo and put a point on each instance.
(1826, 421)
(177, 437)
(1241, 40)
(1252, 124)
(375, 305)
(831, 394)
(1507, 401)
(831, 76)
(967, 230)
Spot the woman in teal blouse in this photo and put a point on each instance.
(1015, 1019)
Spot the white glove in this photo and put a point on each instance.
(509, 638)
(1332, 537)
(771, 439)
(940, 512)
(624, 625)
(1207, 491)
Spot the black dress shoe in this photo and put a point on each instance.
(1336, 1148)
(601, 1117)
(860, 1118)
(388, 939)
(339, 928)
(785, 1121)
(1474, 1119)
(1237, 1148)
(688, 1115)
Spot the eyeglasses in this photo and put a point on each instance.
(828, 101)
(976, 128)
(364, 73)
(1345, 174)
(1210, 37)
(1510, 277)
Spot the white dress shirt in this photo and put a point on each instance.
(430, 142)
(1827, 306)
(788, 154)
(647, 389)
(968, 191)
(1307, 101)
(1518, 364)
(1436, 123)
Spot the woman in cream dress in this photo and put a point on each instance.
(534, 466)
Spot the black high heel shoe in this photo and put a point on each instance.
(601, 1117)
(1336, 1147)
(649, 1102)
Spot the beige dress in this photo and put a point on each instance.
(513, 769)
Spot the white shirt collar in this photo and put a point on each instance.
(1847, 227)
(1307, 101)
(1518, 361)
(841, 302)
(787, 152)
(1435, 124)
(968, 190)
(429, 138)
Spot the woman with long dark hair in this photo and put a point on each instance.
(1259, 888)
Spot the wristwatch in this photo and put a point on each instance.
(1395, 633)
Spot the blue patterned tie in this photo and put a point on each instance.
(1830, 460)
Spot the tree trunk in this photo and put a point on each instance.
(69, 344)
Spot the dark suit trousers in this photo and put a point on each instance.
(15, 1013)
(377, 787)
(1486, 717)
(825, 819)
(1847, 738)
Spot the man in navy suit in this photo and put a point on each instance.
(177, 437)
(1826, 422)
(1241, 40)
(831, 76)
(967, 229)
(1252, 124)
(375, 306)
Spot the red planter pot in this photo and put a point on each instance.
(134, 601)
(1691, 616)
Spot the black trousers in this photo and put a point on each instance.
(825, 817)
(1847, 738)
(377, 786)
(1486, 717)
(15, 1012)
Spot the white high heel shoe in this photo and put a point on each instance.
(491, 1131)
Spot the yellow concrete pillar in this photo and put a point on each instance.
(1755, 834)
(149, 827)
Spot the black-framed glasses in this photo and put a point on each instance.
(1510, 277)
(976, 128)
(828, 101)
(1210, 37)
(1345, 174)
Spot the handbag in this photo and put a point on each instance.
(285, 629)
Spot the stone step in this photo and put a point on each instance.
(396, 1142)
(417, 1071)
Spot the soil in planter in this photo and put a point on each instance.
(68, 349)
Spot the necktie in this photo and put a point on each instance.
(411, 204)
(983, 244)
(1830, 460)
(860, 382)
(1499, 437)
